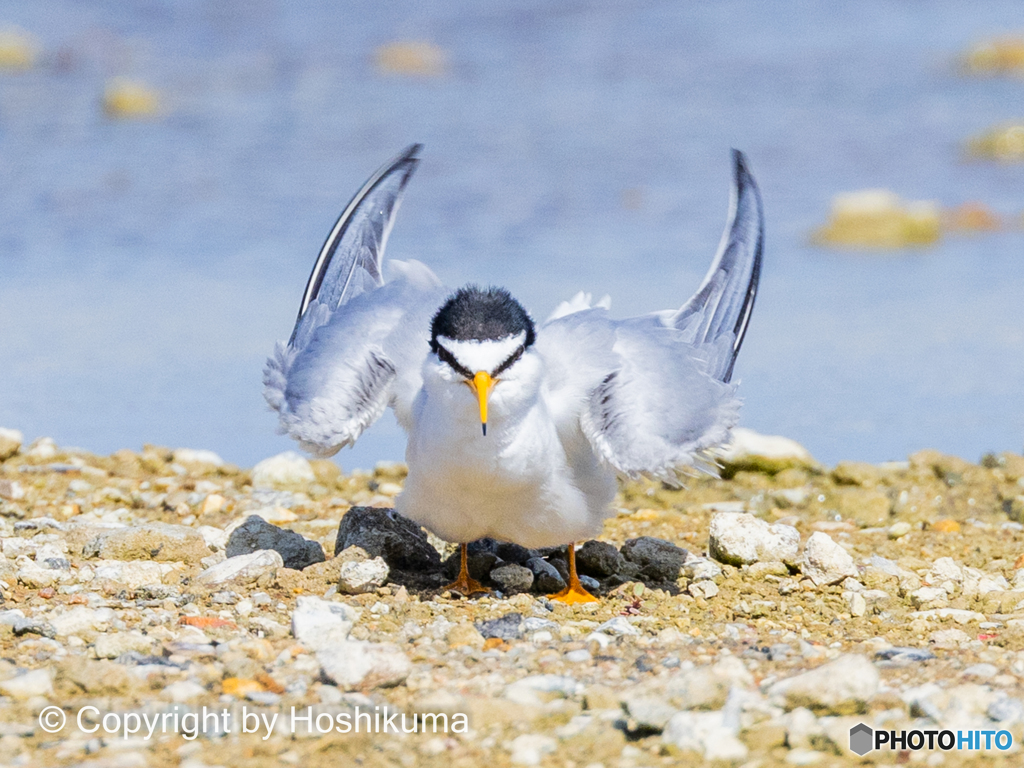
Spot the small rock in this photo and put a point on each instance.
(10, 442)
(284, 469)
(618, 627)
(33, 626)
(149, 541)
(385, 533)
(512, 579)
(11, 490)
(840, 687)
(707, 687)
(355, 578)
(465, 634)
(243, 569)
(701, 568)
(196, 456)
(753, 452)
(530, 748)
(659, 560)
(898, 656)
(899, 530)
(825, 562)
(546, 577)
(599, 559)
(297, 552)
(508, 627)
(81, 621)
(739, 538)
(703, 589)
(359, 664)
(705, 733)
(133, 574)
(110, 646)
(857, 604)
(36, 682)
(927, 598)
(317, 623)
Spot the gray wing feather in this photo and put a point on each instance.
(663, 397)
(720, 310)
(351, 258)
(358, 343)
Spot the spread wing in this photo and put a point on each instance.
(358, 342)
(652, 393)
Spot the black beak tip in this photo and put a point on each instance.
(485, 428)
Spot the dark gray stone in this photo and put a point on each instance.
(30, 626)
(513, 578)
(385, 533)
(256, 533)
(659, 560)
(901, 656)
(589, 583)
(513, 553)
(508, 627)
(545, 576)
(599, 559)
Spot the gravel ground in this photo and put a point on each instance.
(142, 591)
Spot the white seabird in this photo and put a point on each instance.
(516, 431)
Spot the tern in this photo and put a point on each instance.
(516, 430)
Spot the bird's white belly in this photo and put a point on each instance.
(513, 484)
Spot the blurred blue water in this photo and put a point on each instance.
(146, 268)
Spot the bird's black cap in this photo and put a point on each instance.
(475, 314)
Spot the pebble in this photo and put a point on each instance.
(149, 541)
(384, 533)
(134, 574)
(10, 442)
(658, 560)
(355, 578)
(546, 577)
(196, 457)
(36, 682)
(618, 627)
(705, 733)
(316, 622)
(707, 687)
(358, 664)
(297, 552)
(739, 538)
(114, 644)
(899, 529)
(530, 748)
(512, 578)
(508, 627)
(244, 569)
(826, 562)
(840, 687)
(284, 469)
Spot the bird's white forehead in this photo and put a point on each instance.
(484, 355)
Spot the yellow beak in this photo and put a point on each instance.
(482, 384)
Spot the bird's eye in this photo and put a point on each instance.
(448, 358)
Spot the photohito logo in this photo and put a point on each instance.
(864, 739)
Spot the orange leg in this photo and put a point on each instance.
(574, 593)
(464, 585)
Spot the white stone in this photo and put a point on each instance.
(133, 573)
(739, 538)
(355, 578)
(197, 456)
(857, 604)
(747, 443)
(81, 620)
(842, 686)
(43, 448)
(825, 562)
(184, 691)
(117, 643)
(704, 589)
(899, 530)
(10, 442)
(530, 748)
(942, 570)
(707, 687)
(527, 690)
(11, 490)
(243, 568)
(317, 623)
(618, 627)
(36, 682)
(34, 577)
(215, 538)
(929, 597)
(288, 468)
(705, 733)
(359, 664)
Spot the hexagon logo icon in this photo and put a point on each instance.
(862, 739)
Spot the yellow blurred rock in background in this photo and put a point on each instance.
(971, 217)
(126, 99)
(998, 56)
(878, 218)
(18, 49)
(411, 57)
(1005, 143)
